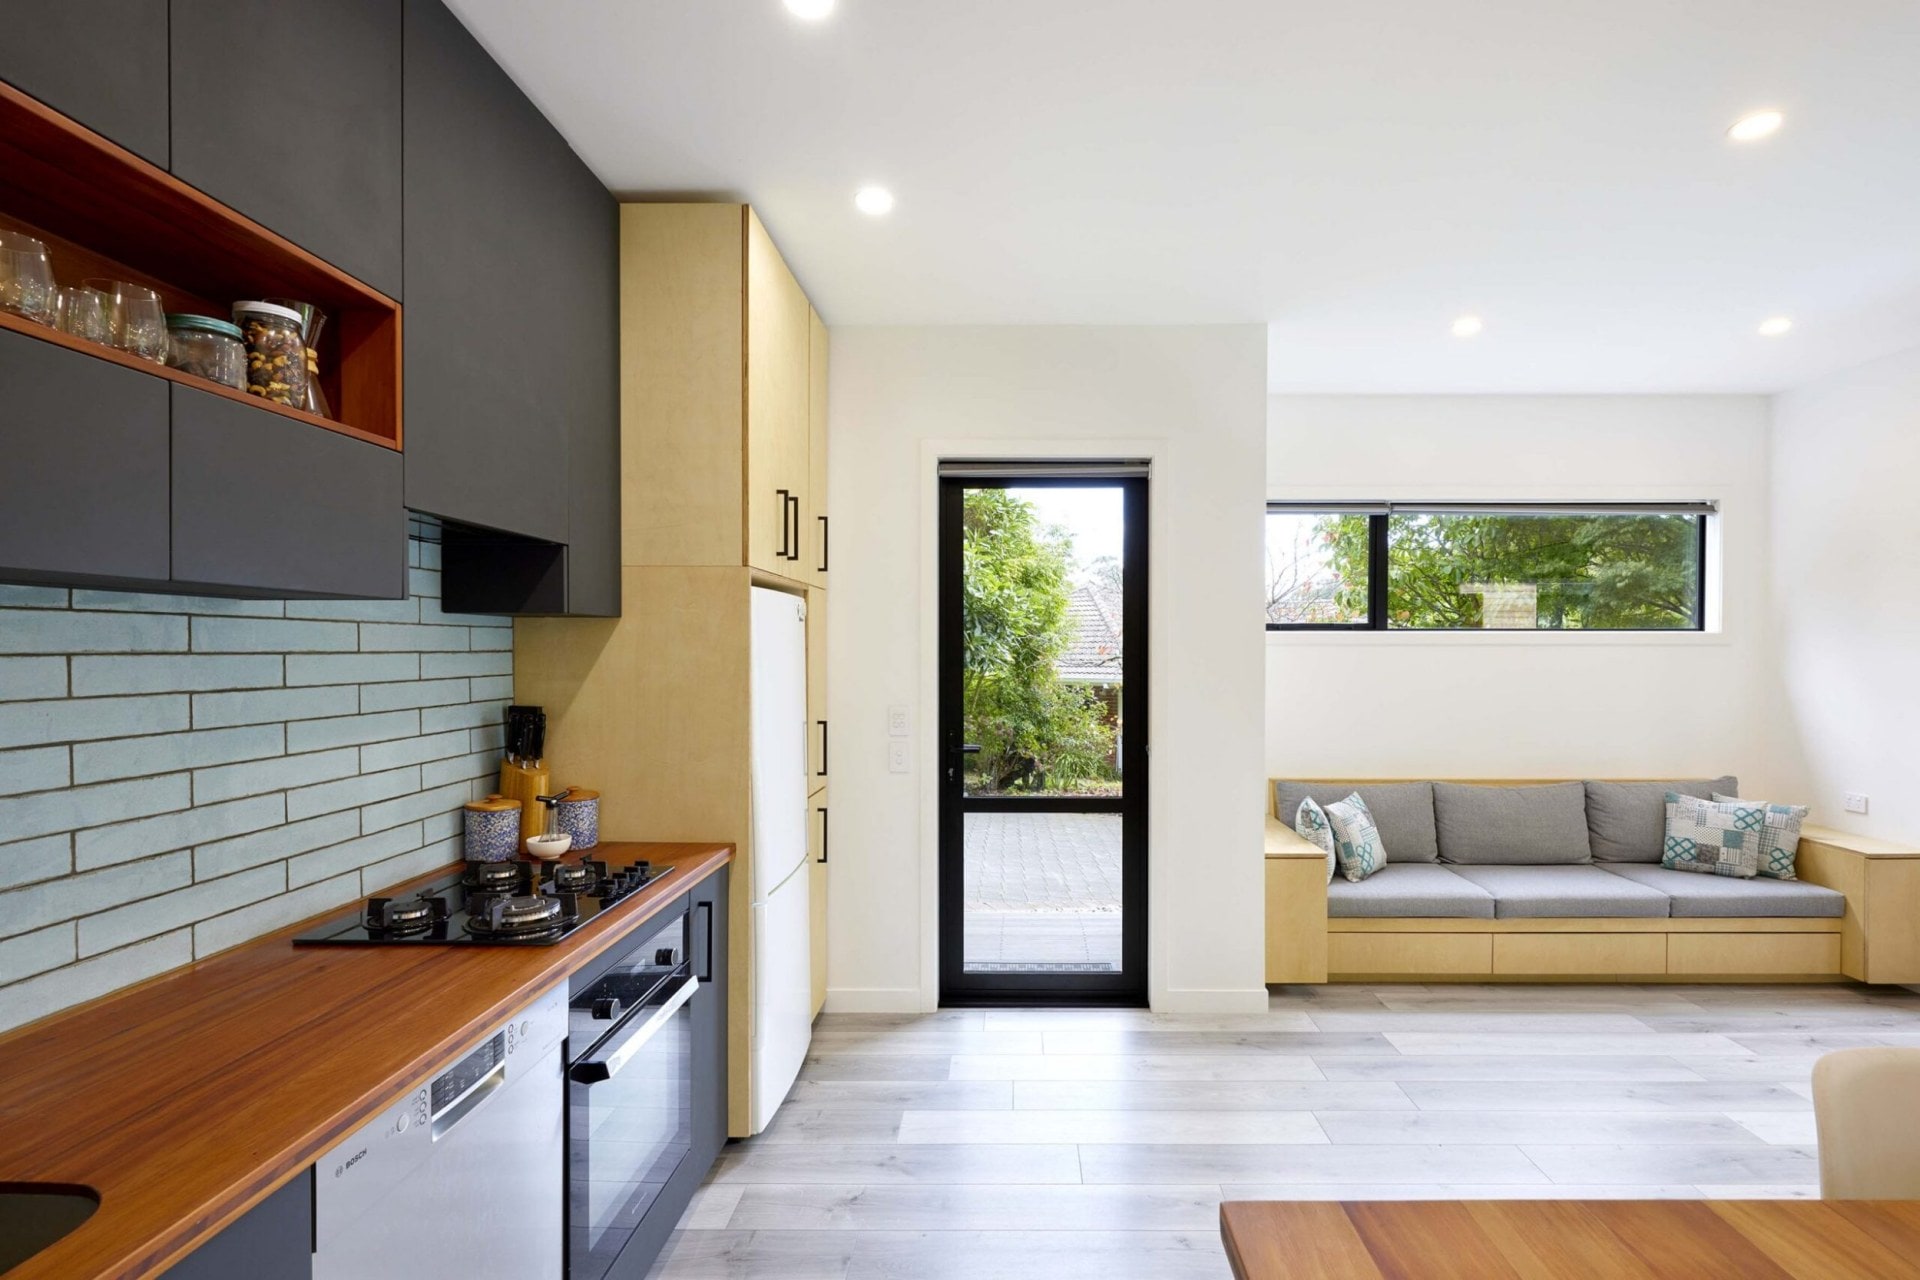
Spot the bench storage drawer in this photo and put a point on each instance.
(1754, 954)
(1597, 954)
(1354, 954)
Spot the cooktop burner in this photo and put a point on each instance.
(518, 916)
(490, 904)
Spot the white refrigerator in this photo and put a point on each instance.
(782, 950)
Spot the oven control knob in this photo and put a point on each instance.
(663, 958)
(402, 1124)
(606, 1008)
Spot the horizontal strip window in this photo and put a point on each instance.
(1703, 508)
(1043, 468)
(1459, 566)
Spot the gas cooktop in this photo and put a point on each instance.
(491, 904)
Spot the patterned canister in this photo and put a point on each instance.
(578, 815)
(493, 830)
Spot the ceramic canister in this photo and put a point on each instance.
(578, 815)
(493, 830)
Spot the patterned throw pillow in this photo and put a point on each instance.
(1311, 822)
(1780, 839)
(1720, 839)
(1356, 840)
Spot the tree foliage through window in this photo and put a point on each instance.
(1035, 731)
(1491, 570)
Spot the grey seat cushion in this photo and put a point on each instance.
(1543, 825)
(1627, 821)
(1410, 889)
(1403, 811)
(1696, 895)
(1524, 893)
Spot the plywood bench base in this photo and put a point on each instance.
(1650, 950)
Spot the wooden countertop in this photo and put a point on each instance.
(1569, 1239)
(187, 1099)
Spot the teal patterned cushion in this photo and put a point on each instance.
(1311, 823)
(1720, 839)
(1356, 841)
(1780, 839)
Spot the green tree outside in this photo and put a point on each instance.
(1589, 571)
(1036, 732)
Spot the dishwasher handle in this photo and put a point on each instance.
(619, 1049)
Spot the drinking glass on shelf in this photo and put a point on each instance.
(136, 322)
(83, 313)
(26, 277)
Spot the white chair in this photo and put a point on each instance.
(1866, 1108)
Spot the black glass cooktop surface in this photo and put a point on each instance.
(518, 904)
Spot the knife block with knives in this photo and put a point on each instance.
(523, 774)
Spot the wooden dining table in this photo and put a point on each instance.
(1572, 1239)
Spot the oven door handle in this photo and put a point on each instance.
(605, 1066)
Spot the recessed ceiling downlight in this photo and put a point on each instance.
(1756, 125)
(875, 202)
(810, 10)
(1467, 327)
(1774, 326)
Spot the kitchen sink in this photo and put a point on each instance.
(35, 1214)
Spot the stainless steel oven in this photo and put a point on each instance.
(629, 1089)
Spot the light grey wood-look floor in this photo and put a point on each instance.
(982, 1144)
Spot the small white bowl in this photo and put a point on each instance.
(547, 848)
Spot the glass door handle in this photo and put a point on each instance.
(968, 749)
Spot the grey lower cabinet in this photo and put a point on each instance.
(710, 1021)
(290, 114)
(512, 328)
(101, 62)
(271, 1241)
(91, 440)
(268, 505)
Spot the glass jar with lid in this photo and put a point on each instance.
(276, 352)
(207, 348)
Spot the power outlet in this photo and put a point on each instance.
(896, 755)
(899, 723)
(1855, 802)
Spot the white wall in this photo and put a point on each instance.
(1531, 704)
(1192, 400)
(1846, 458)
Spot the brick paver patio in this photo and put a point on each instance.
(1043, 890)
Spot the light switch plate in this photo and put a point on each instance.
(1855, 802)
(896, 755)
(899, 721)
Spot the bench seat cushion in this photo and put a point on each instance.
(1525, 893)
(1696, 895)
(1410, 889)
(1403, 812)
(1526, 826)
(1627, 821)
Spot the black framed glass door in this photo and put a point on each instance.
(1043, 733)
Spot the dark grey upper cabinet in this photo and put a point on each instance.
(498, 334)
(87, 443)
(590, 275)
(102, 62)
(290, 114)
(264, 505)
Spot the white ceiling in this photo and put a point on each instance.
(1354, 173)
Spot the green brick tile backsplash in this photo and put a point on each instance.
(179, 774)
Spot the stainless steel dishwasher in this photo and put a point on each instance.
(464, 1178)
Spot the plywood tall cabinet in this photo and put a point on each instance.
(723, 471)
